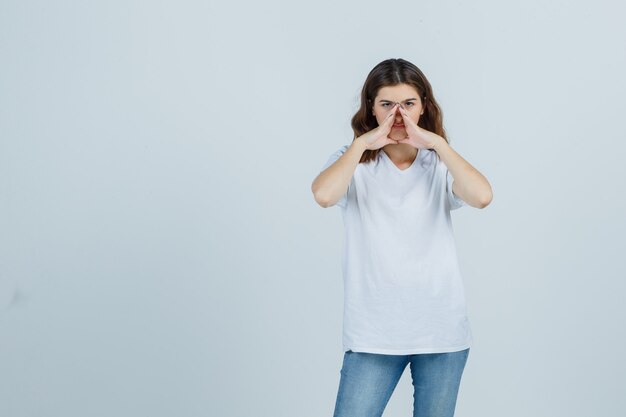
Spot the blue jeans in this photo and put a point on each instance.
(368, 380)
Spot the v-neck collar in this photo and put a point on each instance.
(410, 167)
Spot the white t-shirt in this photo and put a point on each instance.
(403, 290)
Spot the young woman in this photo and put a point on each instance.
(404, 297)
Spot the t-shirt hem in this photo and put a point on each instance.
(406, 351)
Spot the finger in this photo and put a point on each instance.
(392, 113)
(389, 121)
(393, 117)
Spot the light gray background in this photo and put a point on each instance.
(161, 251)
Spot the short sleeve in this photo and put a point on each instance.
(343, 201)
(454, 201)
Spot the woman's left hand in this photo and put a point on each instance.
(418, 137)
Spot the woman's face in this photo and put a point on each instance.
(410, 100)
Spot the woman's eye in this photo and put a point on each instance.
(410, 104)
(385, 104)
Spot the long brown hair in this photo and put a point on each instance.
(392, 72)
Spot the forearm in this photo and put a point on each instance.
(469, 184)
(333, 182)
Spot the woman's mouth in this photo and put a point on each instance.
(400, 125)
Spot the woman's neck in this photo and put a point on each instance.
(401, 152)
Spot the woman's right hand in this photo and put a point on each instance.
(379, 136)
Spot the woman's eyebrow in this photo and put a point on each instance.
(389, 101)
